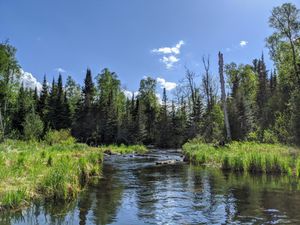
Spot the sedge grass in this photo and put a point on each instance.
(246, 156)
(125, 149)
(34, 170)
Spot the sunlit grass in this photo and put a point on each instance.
(125, 149)
(35, 170)
(246, 156)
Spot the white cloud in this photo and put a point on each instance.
(169, 50)
(170, 54)
(243, 43)
(165, 84)
(169, 61)
(128, 94)
(158, 98)
(60, 70)
(29, 81)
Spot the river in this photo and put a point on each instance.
(135, 190)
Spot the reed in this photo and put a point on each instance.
(245, 156)
(32, 170)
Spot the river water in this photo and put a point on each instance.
(134, 190)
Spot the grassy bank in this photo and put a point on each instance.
(124, 149)
(246, 156)
(35, 170)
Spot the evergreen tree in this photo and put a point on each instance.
(21, 111)
(262, 96)
(84, 125)
(51, 105)
(43, 101)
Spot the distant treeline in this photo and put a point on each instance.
(262, 105)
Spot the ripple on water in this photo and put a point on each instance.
(137, 191)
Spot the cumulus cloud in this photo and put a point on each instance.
(129, 94)
(29, 81)
(170, 55)
(60, 70)
(165, 84)
(169, 50)
(169, 61)
(243, 43)
(159, 99)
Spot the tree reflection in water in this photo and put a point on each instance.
(134, 190)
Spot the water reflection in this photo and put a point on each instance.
(135, 190)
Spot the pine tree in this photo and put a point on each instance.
(61, 107)
(43, 101)
(163, 135)
(21, 111)
(84, 126)
(51, 105)
(262, 97)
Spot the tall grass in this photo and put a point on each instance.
(125, 149)
(246, 156)
(32, 170)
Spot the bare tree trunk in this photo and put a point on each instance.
(207, 86)
(190, 76)
(223, 96)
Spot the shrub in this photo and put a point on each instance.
(33, 127)
(59, 137)
(269, 137)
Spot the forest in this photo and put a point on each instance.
(54, 139)
(262, 104)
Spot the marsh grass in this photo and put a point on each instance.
(125, 149)
(32, 170)
(246, 156)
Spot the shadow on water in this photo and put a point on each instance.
(135, 190)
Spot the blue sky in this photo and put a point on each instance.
(134, 38)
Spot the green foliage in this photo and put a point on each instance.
(269, 136)
(33, 127)
(63, 137)
(295, 120)
(262, 106)
(124, 149)
(32, 170)
(248, 156)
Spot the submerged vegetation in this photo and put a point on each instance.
(246, 157)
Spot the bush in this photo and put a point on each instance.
(253, 136)
(59, 137)
(33, 127)
(269, 137)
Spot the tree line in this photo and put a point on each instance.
(255, 103)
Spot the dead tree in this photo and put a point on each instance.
(223, 96)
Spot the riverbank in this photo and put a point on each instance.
(33, 170)
(246, 157)
(52, 171)
(123, 149)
